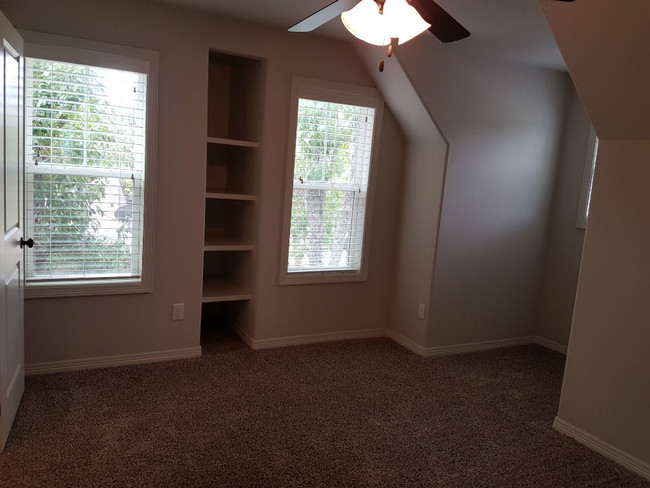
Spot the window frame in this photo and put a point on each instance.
(587, 179)
(72, 50)
(336, 93)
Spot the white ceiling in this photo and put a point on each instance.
(515, 30)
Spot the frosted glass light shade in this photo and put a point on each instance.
(364, 22)
(399, 20)
(403, 20)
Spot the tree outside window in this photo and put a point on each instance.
(329, 183)
(84, 170)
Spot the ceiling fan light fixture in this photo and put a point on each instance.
(399, 20)
(366, 23)
(404, 21)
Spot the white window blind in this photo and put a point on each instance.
(85, 170)
(330, 186)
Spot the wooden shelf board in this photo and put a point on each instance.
(228, 247)
(219, 241)
(219, 290)
(232, 142)
(228, 195)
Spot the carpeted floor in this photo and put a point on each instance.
(362, 413)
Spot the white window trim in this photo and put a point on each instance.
(587, 180)
(66, 49)
(337, 93)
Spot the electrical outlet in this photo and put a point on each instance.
(178, 311)
(421, 310)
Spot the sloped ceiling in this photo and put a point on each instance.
(607, 47)
(513, 30)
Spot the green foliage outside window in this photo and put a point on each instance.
(326, 140)
(71, 125)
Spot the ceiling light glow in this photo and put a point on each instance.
(399, 20)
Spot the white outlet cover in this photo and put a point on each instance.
(178, 310)
(421, 310)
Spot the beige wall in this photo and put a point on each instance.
(564, 245)
(501, 122)
(605, 46)
(605, 391)
(71, 328)
(417, 239)
(421, 198)
(320, 308)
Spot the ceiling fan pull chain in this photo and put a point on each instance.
(389, 52)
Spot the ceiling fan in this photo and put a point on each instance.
(443, 25)
(380, 22)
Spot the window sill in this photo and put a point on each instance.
(316, 277)
(84, 288)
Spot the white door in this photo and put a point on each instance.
(12, 143)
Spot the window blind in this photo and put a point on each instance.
(330, 186)
(84, 184)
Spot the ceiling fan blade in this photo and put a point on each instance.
(443, 25)
(324, 15)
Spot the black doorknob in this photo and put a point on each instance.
(29, 243)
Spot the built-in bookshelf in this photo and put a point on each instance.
(235, 99)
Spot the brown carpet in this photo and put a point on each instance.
(355, 414)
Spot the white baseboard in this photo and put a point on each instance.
(110, 361)
(549, 344)
(257, 344)
(391, 334)
(478, 346)
(456, 348)
(600, 446)
(244, 336)
(404, 341)
(400, 339)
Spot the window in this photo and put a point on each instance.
(89, 135)
(329, 182)
(587, 180)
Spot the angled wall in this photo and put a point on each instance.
(420, 203)
(605, 398)
(502, 122)
(605, 46)
(605, 391)
(565, 239)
